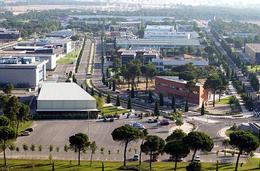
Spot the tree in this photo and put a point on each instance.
(177, 134)
(4, 121)
(132, 92)
(79, 142)
(129, 103)
(161, 100)
(150, 97)
(198, 141)
(244, 142)
(117, 101)
(212, 83)
(32, 148)
(126, 134)
(148, 71)
(92, 91)
(194, 166)
(156, 110)
(202, 110)
(99, 101)
(8, 89)
(225, 143)
(108, 98)
(186, 109)
(153, 146)
(144, 135)
(11, 108)
(114, 85)
(93, 148)
(177, 149)
(173, 104)
(21, 115)
(6, 133)
(66, 148)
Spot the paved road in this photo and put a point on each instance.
(84, 62)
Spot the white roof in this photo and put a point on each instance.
(63, 91)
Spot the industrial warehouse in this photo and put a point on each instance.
(65, 98)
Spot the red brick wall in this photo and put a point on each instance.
(169, 88)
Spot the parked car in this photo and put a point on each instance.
(138, 125)
(152, 120)
(29, 129)
(197, 158)
(108, 120)
(25, 133)
(171, 158)
(135, 157)
(164, 122)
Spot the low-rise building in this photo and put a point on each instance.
(146, 56)
(9, 35)
(49, 58)
(170, 86)
(23, 72)
(61, 33)
(65, 98)
(156, 44)
(253, 51)
(48, 45)
(167, 63)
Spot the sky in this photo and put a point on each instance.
(230, 3)
(238, 3)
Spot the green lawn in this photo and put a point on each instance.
(69, 58)
(111, 110)
(44, 165)
(224, 100)
(253, 69)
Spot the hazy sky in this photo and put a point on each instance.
(238, 3)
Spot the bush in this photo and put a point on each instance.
(194, 166)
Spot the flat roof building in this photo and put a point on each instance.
(50, 58)
(170, 86)
(65, 98)
(253, 51)
(156, 43)
(61, 33)
(23, 72)
(7, 35)
(167, 63)
(146, 56)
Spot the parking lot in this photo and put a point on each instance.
(57, 133)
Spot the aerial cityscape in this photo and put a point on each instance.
(139, 85)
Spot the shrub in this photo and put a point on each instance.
(194, 166)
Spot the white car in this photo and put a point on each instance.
(136, 157)
(197, 158)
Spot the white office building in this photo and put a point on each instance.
(23, 72)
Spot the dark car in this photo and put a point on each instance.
(152, 121)
(29, 129)
(164, 122)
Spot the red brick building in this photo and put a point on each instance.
(173, 86)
